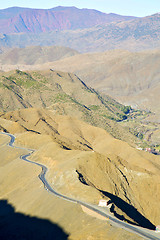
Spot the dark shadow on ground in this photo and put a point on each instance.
(17, 226)
(81, 178)
(129, 210)
(121, 217)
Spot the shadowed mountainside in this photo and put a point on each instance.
(15, 225)
(129, 210)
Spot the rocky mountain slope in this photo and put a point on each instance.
(51, 86)
(57, 91)
(26, 20)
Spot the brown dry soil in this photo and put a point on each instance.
(76, 152)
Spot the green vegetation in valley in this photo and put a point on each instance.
(20, 79)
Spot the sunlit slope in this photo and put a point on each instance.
(104, 163)
(22, 189)
(45, 88)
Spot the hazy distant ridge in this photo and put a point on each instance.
(26, 20)
(35, 55)
(133, 35)
(84, 30)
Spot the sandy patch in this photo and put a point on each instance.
(93, 214)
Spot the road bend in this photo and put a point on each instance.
(145, 233)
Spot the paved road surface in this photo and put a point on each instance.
(145, 233)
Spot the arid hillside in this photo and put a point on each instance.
(131, 78)
(84, 162)
(35, 55)
(87, 118)
(27, 205)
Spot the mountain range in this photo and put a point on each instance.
(84, 30)
(26, 20)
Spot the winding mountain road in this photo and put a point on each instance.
(145, 233)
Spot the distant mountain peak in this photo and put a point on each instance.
(61, 8)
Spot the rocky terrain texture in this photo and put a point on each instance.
(87, 140)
